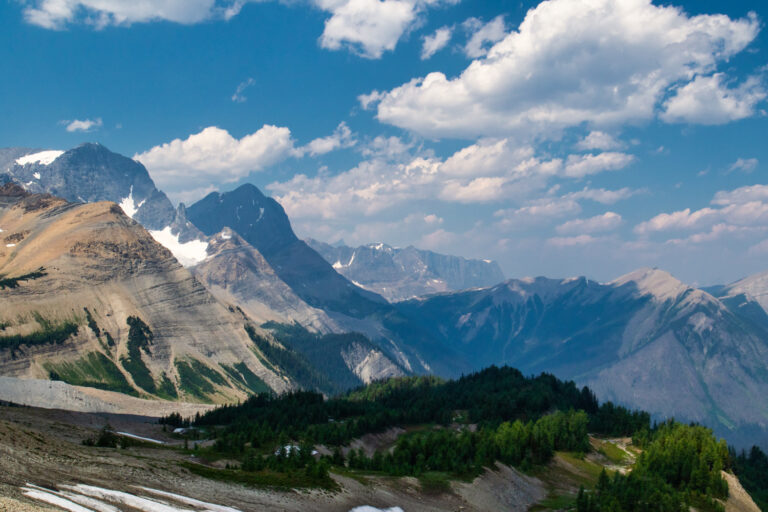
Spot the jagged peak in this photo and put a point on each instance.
(658, 283)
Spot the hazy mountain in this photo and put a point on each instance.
(645, 339)
(113, 309)
(399, 274)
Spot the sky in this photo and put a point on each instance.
(559, 138)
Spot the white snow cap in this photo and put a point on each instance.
(129, 206)
(43, 157)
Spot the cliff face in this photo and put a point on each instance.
(100, 303)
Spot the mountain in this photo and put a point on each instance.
(90, 173)
(90, 298)
(632, 340)
(399, 274)
(262, 222)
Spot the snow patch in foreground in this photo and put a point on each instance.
(43, 157)
(134, 436)
(368, 508)
(189, 254)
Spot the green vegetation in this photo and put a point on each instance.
(94, 370)
(139, 338)
(308, 476)
(679, 468)
(166, 389)
(51, 334)
(13, 282)
(241, 374)
(323, 351)
(752, 470)
(292, 363)
(197, 379)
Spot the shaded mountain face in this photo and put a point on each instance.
(262, 222)
(399, 274)
(645, 340)
(90, 298)
(90, 173)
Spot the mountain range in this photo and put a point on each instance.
(398, 274)
(293, 313)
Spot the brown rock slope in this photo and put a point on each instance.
(113, 309)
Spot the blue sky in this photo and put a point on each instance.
(560, 138)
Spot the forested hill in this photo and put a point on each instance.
(460, 427)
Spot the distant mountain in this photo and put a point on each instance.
(645, 339)
(399, 274)
(90, 298)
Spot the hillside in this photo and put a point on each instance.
(90, 298)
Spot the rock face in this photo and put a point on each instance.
(90, 173)
(236, 273)
(399, 274)
(645, 340)
(111, 308)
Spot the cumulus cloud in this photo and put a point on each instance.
(238, 96)
(433, 43)
(604, 196)
(570, 62)
(483, 35)
(745, 165)
(215, 155)
(82, 125)
(537, 212)
(571, 241)
(370, 27)
(578, 166)
(57, 14)
(342, 137)
(736, 211)
(608, 221)
(708, 100)
(599, 140)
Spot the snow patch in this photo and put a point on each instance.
(52, 499)
(208, 507)
(43, 157)
(129, 206)
(134, 436)
(36, 175)
(700, 323)
(10, 245)
(261, 214)
(189, 254)
(338, 265)
(368, 508)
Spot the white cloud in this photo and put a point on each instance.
(708, 100)
(342, 137)
(477, 190)
(84, 125)
(572, 241)
(238, 96)
(599, 140)
(56, 14)
(603, 196)
(483, 34)
(745, 165)
(433, 43)
(603, 63)
(578, 166)
(388, 148)
(741, 195)
(214, 155)
(608, 221)
(539, 211)
(370, 27)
